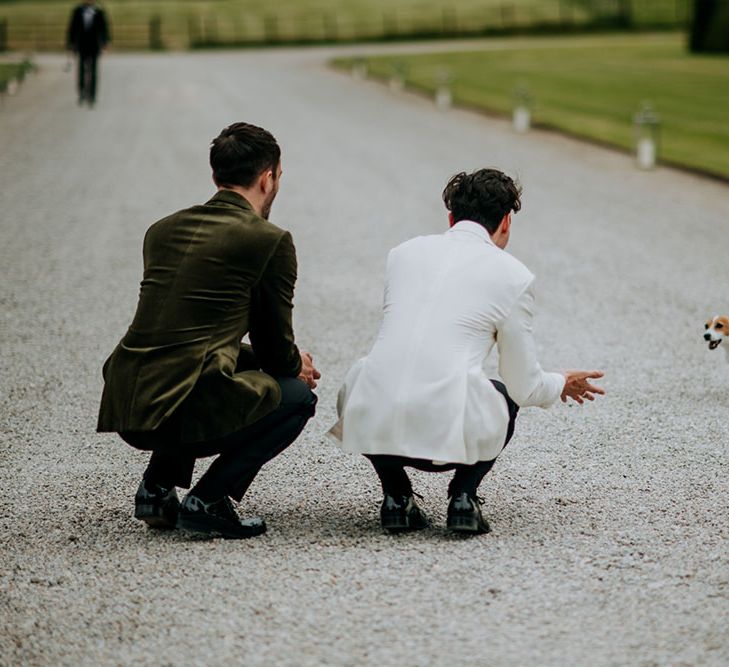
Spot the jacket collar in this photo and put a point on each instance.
(472, 228)
(230, 197)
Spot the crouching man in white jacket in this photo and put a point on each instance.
(421, 398)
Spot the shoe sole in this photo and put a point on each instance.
(191, 525)
(154, 518)
(467, 524)
(398, 525)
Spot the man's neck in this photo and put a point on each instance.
(248, 195)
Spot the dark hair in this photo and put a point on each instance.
(241, 152)
(484, 196)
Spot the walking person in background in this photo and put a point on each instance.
(88, 35)
(421, 397)
(181, 383)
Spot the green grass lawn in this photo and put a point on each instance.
(40, 24)
(592, 86)
(10, 71)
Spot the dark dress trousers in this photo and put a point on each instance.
(212, 274)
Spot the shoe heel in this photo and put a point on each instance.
(146, 511)
(395, 523)
(157, 522)
(154, 517)
(463, 524)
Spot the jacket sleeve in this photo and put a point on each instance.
(246, 359)
(526, 382)
(104, 31)
(271, 329)
(72, 32)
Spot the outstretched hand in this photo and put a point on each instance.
(308, 374)
(577, 386)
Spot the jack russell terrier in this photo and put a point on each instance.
(717, 329)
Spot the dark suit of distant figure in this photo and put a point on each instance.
(88, 34)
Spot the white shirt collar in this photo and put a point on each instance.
(471, 227)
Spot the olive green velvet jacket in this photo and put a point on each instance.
(212, 274)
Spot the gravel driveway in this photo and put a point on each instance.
(610, 522)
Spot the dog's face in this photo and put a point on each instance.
(717, 329)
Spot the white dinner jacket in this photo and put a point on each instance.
(422, 391)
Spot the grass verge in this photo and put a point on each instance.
(10, 72)
(591, 87)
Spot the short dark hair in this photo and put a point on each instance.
(241, 152)
(484, 196)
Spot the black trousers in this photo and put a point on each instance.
(241, 454)
(395, 481)
(87, 76)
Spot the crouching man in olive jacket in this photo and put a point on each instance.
(180, 383)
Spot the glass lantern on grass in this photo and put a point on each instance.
(398, 76)
(359, 69)
(522, 114)
(647, 124)
(443, 94)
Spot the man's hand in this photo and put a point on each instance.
(578, 387)
(308, 374)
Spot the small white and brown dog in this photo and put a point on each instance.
(717, 330)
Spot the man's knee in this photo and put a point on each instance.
(138, 439)
(296, 396)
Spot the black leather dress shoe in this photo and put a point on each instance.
(464, 515)
(156, 506)
(217, 519)
(401, 514)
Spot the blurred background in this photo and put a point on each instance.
(650, 76)
(181, 24)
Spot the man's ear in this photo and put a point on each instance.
(267, 182)
(451, 221)
(505, 223)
